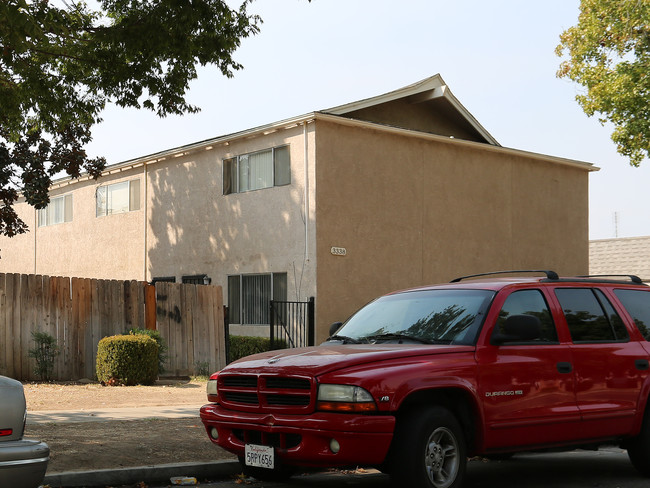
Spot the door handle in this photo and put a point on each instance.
(564, 367)
(642, 364)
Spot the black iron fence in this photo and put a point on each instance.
(292, 323)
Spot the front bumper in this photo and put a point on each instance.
(304, 440)
(23, 463)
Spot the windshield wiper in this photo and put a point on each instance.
(393, 336)
(345, 339)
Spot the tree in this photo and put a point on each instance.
(60, 66)
(609, 55)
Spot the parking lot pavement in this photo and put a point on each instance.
(608, 468)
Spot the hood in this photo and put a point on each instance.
(318, 360)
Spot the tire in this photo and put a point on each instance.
(281, 473)
(638, 449)
(428, 450)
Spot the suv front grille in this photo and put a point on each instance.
(290, 394)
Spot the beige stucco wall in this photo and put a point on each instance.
(108, 247)
(435, 116)
(17, 253)
(412, 211)
(195, 229)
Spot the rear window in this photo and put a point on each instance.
(590, 316)
(637, 304)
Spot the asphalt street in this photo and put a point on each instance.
(609, 468)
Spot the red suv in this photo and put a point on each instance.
(418, 380)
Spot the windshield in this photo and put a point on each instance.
(430, 317)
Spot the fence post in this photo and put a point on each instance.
(311, 322)
(226, 332)
(272, 324)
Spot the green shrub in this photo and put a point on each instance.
(162, 345)
(241, 346)
(127, 360)
(44, 353)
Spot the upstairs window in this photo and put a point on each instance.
(59, 210)
(118, 198)
(254, 171)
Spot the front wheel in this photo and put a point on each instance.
(428, 450)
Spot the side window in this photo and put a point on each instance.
(637, 304)
(590, 316)
(528, 302)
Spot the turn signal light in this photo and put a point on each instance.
(346, 407)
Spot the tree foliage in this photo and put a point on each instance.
(609, 55)
(62, 61)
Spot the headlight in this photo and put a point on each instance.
(345, 398)
(213, 393)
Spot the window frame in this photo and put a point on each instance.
(133, 197)
(236, 300)
(631, 307)
(499, 324)
(605, 307)
(280, 173)
(45, 215)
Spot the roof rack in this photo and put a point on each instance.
(632, 278)
(551, 275)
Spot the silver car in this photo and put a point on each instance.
(23, 462)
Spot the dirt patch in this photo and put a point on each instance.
(88, 396)
(110, 445)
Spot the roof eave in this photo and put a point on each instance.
(427, 89)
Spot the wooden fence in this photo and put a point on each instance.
(79, 312)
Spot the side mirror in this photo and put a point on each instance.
(519, 328)
(334, 327)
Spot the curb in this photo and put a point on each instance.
(148, 474)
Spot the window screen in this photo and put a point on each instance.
(59, 210)
(254, 171)
(249, 296)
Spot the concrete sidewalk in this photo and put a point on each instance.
(129, 476)
(109, 414)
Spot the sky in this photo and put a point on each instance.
(497, 57)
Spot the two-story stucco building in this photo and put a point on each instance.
(344, 204)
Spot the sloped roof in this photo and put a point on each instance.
(431, 93)
(627, 255)
(431, 90)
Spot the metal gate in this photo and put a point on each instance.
(292, 323)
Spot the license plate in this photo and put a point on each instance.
(259, 456)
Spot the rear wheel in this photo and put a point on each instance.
(639, 448)
(428, 450)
